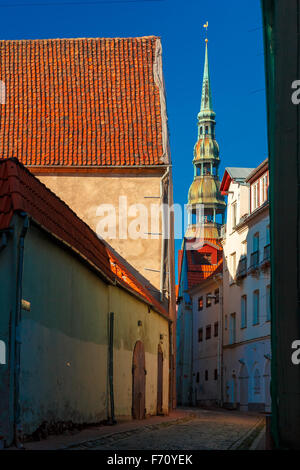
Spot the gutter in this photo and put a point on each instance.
(17, 418)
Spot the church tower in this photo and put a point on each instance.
(205, 188)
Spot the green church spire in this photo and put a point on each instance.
(206, 100)
(205, 189)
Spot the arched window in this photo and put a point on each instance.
(256, 382)
(2, 353)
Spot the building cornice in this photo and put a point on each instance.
(247, 341)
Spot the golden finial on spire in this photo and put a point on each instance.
(206, 26)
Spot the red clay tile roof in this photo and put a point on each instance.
(20, 191)
(200, 272)
(82, 102)
(203, 273)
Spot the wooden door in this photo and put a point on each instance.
(138, 381)
(160, 359)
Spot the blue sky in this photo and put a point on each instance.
(235, 54)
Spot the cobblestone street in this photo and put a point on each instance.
(202, 430)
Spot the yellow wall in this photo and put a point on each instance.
(128, 311)
(86, 192)
(64, 351)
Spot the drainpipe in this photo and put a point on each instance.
(111, 368)
(162, 238)
(3, 241)
(17, 422)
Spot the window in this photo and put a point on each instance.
(208, 299)
(200, 335)
(216, 374)
(217, 296)
(268, 235)
(244, 311)
(208, 332)
(206, 375)
(256, 382)
(201, 130)
(264, 188)
(268, 302)
(232, 329)
(256, 242)
(233, 266)
(256, 307)
(200, 303)
(216, 329)
(206, 129)
(234, 214)
(226, 322)
(198, 377)
(254, 195)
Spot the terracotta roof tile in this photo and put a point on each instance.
(20, 191)
(81, 102)
(199, 272)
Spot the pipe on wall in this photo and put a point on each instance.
(17, 417)
(111, 368)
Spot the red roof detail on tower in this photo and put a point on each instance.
(197, 271)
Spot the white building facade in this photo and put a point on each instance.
(246, 290)
(207, 341)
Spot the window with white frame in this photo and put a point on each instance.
(264, 189)
(233, 215)
(255, 196)
(233, 266)
(256, 307)
(244, 311)
(255, 242)
(232, 329)
(268, 235)
(268, 302)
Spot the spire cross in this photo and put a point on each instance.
(206, 26)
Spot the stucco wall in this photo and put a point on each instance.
(64, 338)
(251, 349)
(86, 192)
(205, 352)
(128, 311)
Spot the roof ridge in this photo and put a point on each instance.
(81, 38)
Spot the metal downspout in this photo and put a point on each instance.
(17, 417)
(111, 368)
(162, 237)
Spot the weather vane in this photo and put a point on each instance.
(206, 26)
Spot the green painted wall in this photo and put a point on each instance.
(128, 311)
(64, 338)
